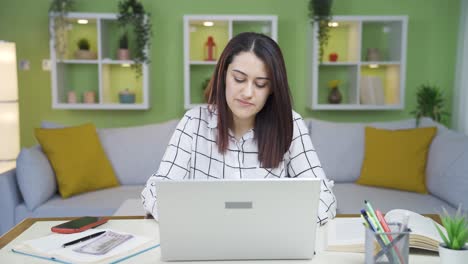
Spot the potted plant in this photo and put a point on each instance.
(430, 102)
(132, 15)
(454, 250)
(123, 53)
(320, 13)
(58, 11)
(83, 51)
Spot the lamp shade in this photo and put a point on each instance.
(9, 115)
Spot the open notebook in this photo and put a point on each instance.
(348, 234)
(50, 247)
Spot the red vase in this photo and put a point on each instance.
(333, 56)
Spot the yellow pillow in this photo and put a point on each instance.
(78, 159)
(396, 158)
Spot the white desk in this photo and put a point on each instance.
(149, 227)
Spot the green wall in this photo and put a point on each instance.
(432, 38)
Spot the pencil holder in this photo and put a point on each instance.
(391, 247)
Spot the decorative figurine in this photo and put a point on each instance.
(210, 49)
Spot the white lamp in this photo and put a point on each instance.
(9, 114)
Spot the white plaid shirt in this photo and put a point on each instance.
(192, 153)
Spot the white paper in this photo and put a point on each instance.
(346, 231)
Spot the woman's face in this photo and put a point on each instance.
(248, 86)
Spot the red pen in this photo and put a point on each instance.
(383, 222)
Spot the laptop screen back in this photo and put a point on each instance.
(238, 219)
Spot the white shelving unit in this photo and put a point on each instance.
(365, 84)
(106, 76)
(223, 28)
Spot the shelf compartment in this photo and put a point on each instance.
(111, 33)
(380, 86)
(199, 74)
(344, 41)
(117, 78)
(347, 76)
(264, 27)
(200, 33)
(75, 32)
(383, 36)
(79, 78)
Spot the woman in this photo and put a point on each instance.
(248, 129)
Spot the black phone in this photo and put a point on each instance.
(79, 225)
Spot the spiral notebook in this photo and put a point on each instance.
(50, 248)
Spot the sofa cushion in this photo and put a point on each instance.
(79, 162)
(134, 152)
(447, 168)
(36, 178)
(394, 125)
(340, 145)
(351, 198)
(96, 203)
(396, 158)
(340, 148)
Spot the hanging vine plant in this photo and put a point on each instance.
(320, 12)
(58, 10)
(132, 16)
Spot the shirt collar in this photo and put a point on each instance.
(213, 123)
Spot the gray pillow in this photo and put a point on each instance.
(340, 145)
(134, 152)
(340, 148)
(36, 178)
(394, 125)
(447, 168)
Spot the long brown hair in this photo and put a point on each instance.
(273, 124)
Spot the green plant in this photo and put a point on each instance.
(58, 11)
(430, 102)
(457, 230)
(133, 15)
(83, 44)
(320, 12)
(123, 41)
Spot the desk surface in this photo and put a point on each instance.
(36, 227)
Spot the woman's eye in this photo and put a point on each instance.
(261, 85)
(239, 80)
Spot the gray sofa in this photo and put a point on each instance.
(135, 152)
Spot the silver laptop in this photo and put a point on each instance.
(238, 219)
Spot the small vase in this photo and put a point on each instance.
(334, 97)
(373, 54)
(71, 98)
(126, 97)
(123, 54)
(89, 97)
(451, 256)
